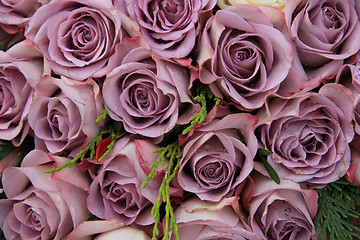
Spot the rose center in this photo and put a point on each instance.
(330, 18)
(170, 6)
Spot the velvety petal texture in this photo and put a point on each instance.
(41, 205)
(218, 157)
(325, 33)
(169, 26)
(242, 56)
(116, 193)
(281, 211)
(204, 220)
(308, 134)
(149, 95)
(18, 12)
(78, 37)
(20, 67)
(63, 114)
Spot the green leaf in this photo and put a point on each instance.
(263, 153)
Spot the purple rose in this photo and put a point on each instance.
(18, 12)
(170, 27)
(21, 67)
(308, 134)
(242, 56)
(218, 157)
(42, 205)
(198, 219)
(153, 93)
(280, 211)
(325, 33)
(116, 191)
(63, 115)
(78, 37)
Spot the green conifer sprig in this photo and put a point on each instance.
(204, 95)
(336, 206)
(173, 153)
(114, 131)
(206, 99)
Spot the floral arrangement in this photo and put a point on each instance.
(167, 119)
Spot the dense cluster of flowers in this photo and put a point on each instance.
(282, 76)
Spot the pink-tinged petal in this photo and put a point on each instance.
(88, 228)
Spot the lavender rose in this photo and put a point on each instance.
(116, 192)
(17, 13)
(308, 134)
(218, 157)
(198, 219)
(153, 93)
(280, 211)
(170, 27)
(20, 67)
(242, 56)
(325, 33)
(78, 37)
(63, 115)
(42, 205)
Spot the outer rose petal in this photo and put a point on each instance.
(106, 230)
(204, 220)
(275, 3)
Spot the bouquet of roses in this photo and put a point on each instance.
(169, 119)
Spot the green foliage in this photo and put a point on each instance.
(336, 208)
(114, 130)
(204, 97)
(173, 153)
(6, 148)
(263, 153)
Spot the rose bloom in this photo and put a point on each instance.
(170, 27)
(106, 230)
(202, 220)
(153, 93)
(116, 192)
(20, 67)
(308, 134)
(325, 33)
(63, 114)
(17, 13)
(274, 3)
(78, 37)
(242, 56)
(280, 211)
(218, 157)
(42, 205)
